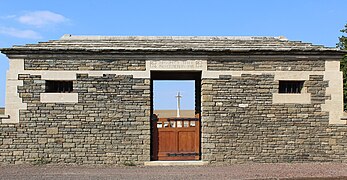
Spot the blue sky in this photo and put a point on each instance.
(165, 92)
(22, 22)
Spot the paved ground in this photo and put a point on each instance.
(310, 171)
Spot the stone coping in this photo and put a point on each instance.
(91, 37)
(176, 163)
(235, 44)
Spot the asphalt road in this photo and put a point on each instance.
(238, 171)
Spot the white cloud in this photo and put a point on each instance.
(41, 18)
(8, 17)
(37, 19)
(28, 34)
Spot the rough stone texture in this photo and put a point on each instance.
(174, 43)
(266, 132)
(276, 65)
(109, 125)
(77, 64)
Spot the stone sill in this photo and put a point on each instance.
(176, 163)
(283, 98)
(59, 97)
(3, 116)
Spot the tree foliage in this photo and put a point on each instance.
(343, 39)
(343, 65)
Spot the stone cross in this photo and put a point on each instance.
(178, 103)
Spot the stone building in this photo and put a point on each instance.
(88, 100)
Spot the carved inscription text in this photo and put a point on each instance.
(189, 64)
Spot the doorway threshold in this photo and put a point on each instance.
(176, 163)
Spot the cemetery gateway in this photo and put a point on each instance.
(89, 100)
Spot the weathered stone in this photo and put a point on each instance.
(52, 130)
(18, 153)
(42, 140)
(68, 145)
(207, 98)
(7, 141)
(110, 124)
(92, 64)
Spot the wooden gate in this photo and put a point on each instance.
(176, 138)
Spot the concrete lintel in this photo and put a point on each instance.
(295, 75)
(176, 163)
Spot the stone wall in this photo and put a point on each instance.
(90, 64)
(266, 65)
(240, 123)
(109, 124)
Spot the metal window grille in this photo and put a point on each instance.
(290, 86)
(59, 86)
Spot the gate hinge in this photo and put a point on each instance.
(182, 154)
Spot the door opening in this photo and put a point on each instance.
(175, 115)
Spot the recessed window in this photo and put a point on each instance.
(293, 87)
(59, 86)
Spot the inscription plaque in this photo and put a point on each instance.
(188, 64)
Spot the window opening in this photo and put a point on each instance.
(59, 86)
(293, 87)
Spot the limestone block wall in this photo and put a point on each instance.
(105, 120)
(240, 123)
(108, 125)
(75, 64)
(266, 65)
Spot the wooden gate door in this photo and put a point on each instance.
(176, 138)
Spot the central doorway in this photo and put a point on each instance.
(175, 136)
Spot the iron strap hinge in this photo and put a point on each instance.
(182, 154)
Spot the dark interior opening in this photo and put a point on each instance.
(292, 87)
(59, 86)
